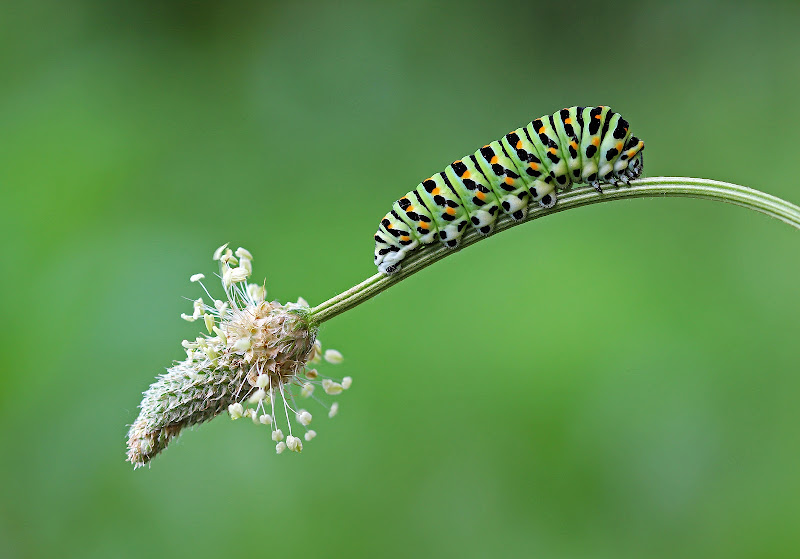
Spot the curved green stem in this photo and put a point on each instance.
(655, 187)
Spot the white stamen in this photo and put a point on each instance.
(199, 307)
(196, 277)
(247, 265)
(240, 274)
(308, 390)
(262, 380)
(303, 417)
(256, 292)
(242, 252)
(347, 382)
(209, 320)
(223, 338)
(294, 444)
(236, 410)
(331, 388)
(334, 409)
(257, 396)
(219, 251)
(316, 357)
(188, 317)
(234, 275)
(280, 447)
(310, 435)
(333, 356)
(242, 344)
(277, 435)
(266, 419)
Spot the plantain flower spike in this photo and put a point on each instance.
(251, 361)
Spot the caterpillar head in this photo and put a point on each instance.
(387, 258)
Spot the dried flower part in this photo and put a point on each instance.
(256, 352)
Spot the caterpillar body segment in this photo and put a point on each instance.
(566, 126)
(504, 179)
(531, 164)
(448, 212)
(476, 195)
(526, 158)
(546, 140)
(593, 118)
(415, 215)
(615, 135)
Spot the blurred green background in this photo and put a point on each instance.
(617, 381)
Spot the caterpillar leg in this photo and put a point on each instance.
(516, 205)
(548, 200)
(483, 221)
(596, 186)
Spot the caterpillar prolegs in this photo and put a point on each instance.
(531, 164)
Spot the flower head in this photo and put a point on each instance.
(252, 362)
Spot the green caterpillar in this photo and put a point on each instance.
(576, 145)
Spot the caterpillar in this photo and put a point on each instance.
(575, 145)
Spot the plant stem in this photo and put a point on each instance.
(655, 187)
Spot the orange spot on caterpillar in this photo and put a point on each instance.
(552, 150)
(423, 225)
(519, 144)
(480, 195)
(466, 175)
(450, 211)
(435, 191)
(509, 180)
(619, 146)
(596, 141)
(533, 166)
(541, 130)
(573, 145)
(567, 121)
(494, 160)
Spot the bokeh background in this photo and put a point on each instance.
(616, 381)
